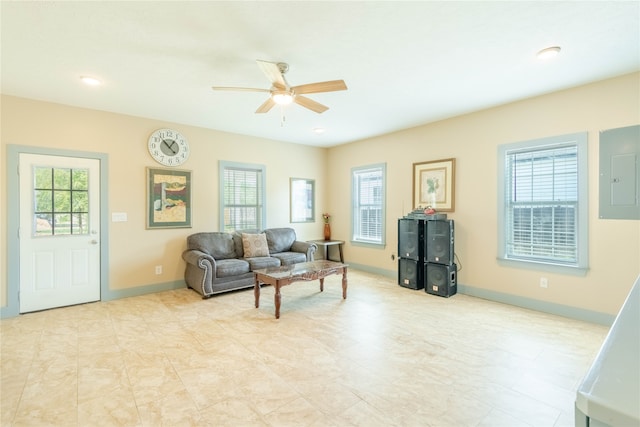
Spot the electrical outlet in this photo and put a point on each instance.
(158, 269)
(544, 283)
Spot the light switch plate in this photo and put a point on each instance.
(119, 217)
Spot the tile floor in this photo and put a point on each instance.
(386, 356)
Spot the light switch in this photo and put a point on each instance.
(119, 217)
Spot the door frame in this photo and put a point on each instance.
(12, 308)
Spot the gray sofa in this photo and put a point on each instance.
(216, 261)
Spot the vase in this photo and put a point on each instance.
(327, 231)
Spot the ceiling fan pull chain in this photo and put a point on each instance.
(282, 117)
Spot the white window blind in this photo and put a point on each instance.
(242, 197)
(542, 204)
(368, 204)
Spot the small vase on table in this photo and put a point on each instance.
(327, 231)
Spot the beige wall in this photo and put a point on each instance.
(614, 245)
(472, 139)
(134, 251)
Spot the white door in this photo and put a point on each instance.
(59, 231)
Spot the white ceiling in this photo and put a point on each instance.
(405, 63)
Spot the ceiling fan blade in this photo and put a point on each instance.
(266, 106)
(240, 89)
(310, 104)
(272, 71)
(330, 86)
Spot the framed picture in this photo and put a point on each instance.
(168, 198)
(302, 199)
(434, 185)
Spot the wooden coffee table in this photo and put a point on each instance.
(305, 271)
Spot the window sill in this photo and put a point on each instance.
(543, 266)
(366, 244)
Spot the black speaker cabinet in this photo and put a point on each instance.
(439, 242)
(410, 239)
(410, 273)
(441, 279)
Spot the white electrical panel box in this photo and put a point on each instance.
(620, 173)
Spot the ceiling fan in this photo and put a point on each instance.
(281, 93)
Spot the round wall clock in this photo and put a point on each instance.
(168, 147)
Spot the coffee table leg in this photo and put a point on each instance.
(322, 284)
(344, 283)
(276, 299)
(256, 292)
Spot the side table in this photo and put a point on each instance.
(325, 245)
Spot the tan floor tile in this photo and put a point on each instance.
(172, 409)
(296, 413)
(114, 407)
(386, 356)
(232, 413)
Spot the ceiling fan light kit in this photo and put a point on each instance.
(283, 94)
(282, 97)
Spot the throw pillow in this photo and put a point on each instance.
(254, 245)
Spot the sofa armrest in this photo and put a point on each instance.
(307, 248)
(200, 271)
(196, 257)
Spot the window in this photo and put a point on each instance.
(543, 201)
(242, 196)
(61, 198)
(368, 197)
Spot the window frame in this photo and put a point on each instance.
(223, 167)
(580, 267)
(355, 191)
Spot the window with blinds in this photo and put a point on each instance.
(368, 204)
(242, 197)
(544, 202)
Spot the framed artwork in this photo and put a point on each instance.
(302, 205)
(434, 185)
(168, 198)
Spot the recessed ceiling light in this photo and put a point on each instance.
(549, 52)
(318, 131)
(90, 81)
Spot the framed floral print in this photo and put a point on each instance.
(434, 185)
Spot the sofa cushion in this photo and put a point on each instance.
(254, 245)
(288, 258)
(263, 262)
(231, 267)
(217, 244)
(280, 239)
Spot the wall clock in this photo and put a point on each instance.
(168, 147)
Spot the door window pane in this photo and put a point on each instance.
(61, 201)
